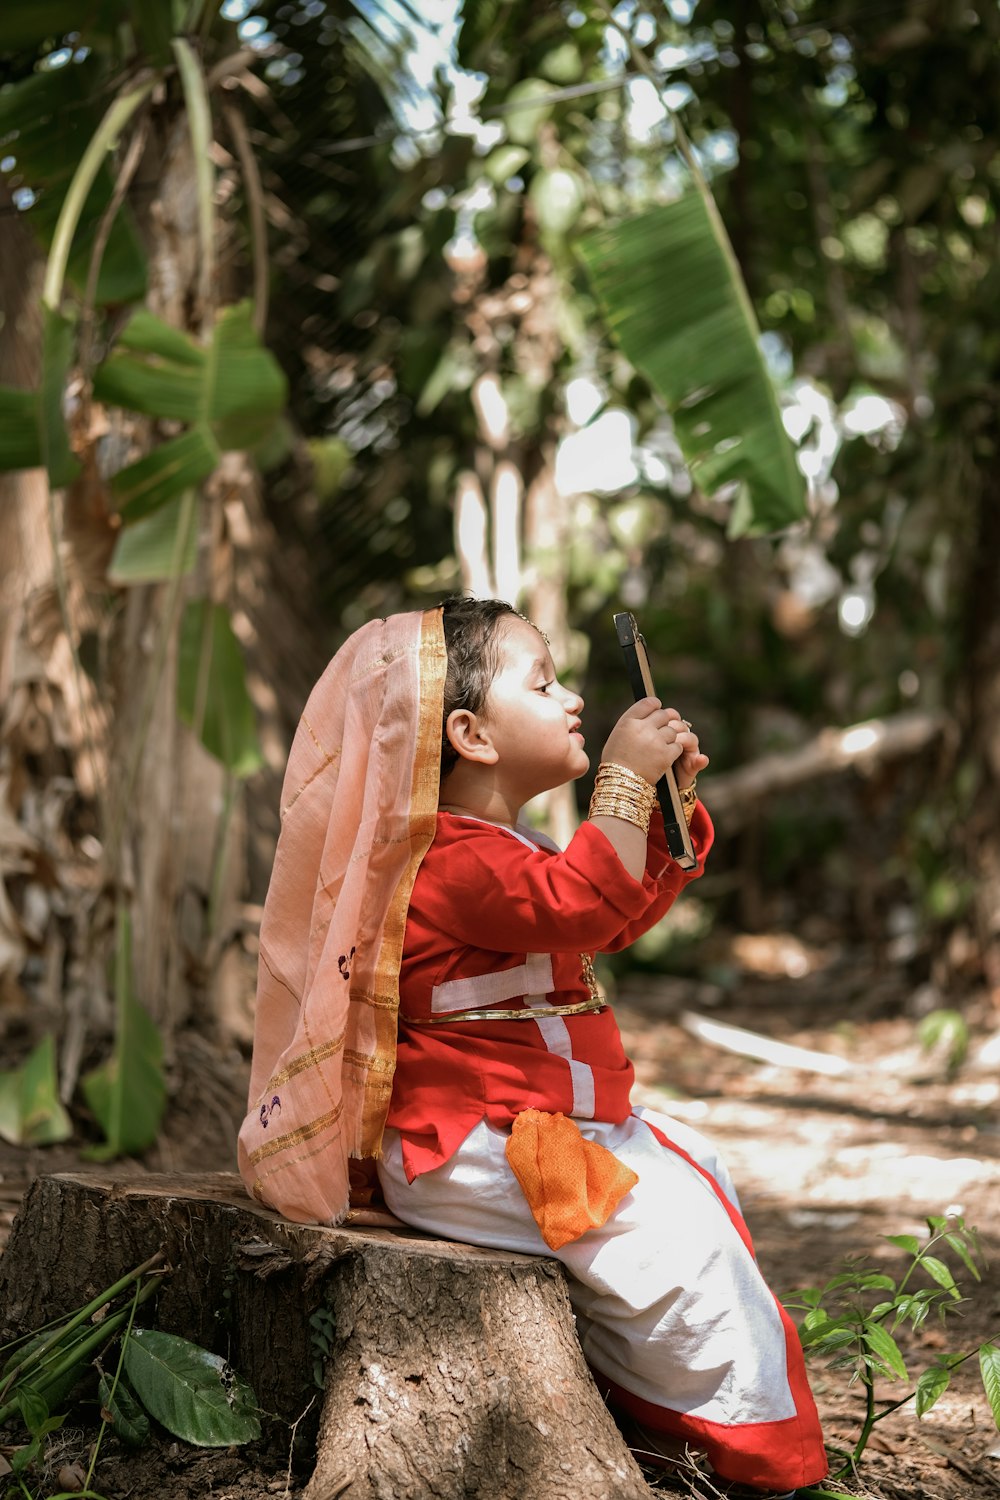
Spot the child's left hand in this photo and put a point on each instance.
(692, 760)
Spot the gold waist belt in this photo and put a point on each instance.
(529, 1013)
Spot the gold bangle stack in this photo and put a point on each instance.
(622, 793)
(689, 800)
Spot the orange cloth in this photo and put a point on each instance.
(571, 1184)
(358, 813)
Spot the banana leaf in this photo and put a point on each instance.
(212, 695)
(20, 440)
(152, 549)
(128, 1092)
(57, 356)
(230, 391)
(31, 1113)
(179, 464)
(47, 119)
(29, 23)
(673, 299)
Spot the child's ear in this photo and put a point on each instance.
(469, 737)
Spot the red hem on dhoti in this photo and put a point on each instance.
(777, 1455)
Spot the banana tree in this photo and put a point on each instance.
(153, 384)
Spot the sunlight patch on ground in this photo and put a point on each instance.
(815, 1165)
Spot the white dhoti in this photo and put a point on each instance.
(673, 1313)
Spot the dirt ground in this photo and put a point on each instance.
(827, 1163)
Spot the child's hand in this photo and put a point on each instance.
(648, 738)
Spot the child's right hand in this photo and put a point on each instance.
(648, 738)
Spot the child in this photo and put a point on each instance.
(406, 894)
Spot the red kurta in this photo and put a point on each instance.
(496, 921)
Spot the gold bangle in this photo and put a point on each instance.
(626, 812)
(620, 792)
(689, 800)
(611, 770)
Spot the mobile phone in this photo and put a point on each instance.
(641, 682)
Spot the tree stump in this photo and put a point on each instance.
(453, 1372)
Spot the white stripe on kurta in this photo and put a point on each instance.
(533, 979)
(555, 1035)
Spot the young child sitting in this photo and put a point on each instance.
(427, 997)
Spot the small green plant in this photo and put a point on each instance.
(194, 1394)
(323, 1332)
(854, 1318)
(946, 1031)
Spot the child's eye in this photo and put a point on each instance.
(545, 686)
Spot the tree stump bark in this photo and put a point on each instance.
(453, 1372)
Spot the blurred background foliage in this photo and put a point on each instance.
(458, 416)
(853, 153)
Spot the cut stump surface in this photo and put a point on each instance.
(452, 1371)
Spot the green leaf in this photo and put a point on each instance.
(211, 688)
(127, 1093)
(526, 107)
(57, 356)
(989, 1365)
(28, 23)
(558, 199)
(146, 381)
(193, 1393)
(20, 440)
(154, 24)
(673, 299)
(273, 446)
(153, 548)
(914, 1307)
(44, 1120)
(22, 1458)
(123, 1412)
(931, 1384)
(827, 1339)
(248, 390)
(442, 380)
(198, 118)
(907, 1242)
(147, 334)
(331, 461)
(177, 465)
(941, 1274)
(505, 162)
(31, 1113)
(33, 1408)
(55, 113)
(51, 1368)
(234, 385)
(961, 1248)
(949, 1030)
(884, 1347)
(876, 1281)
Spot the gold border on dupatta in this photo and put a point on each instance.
(424, 794)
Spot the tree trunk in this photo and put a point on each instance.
(25, 544)
(982, 721)
(453, 1372)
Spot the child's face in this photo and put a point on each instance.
(532, 720)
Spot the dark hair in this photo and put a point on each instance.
(472, 638)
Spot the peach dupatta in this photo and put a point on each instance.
(358, 809)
